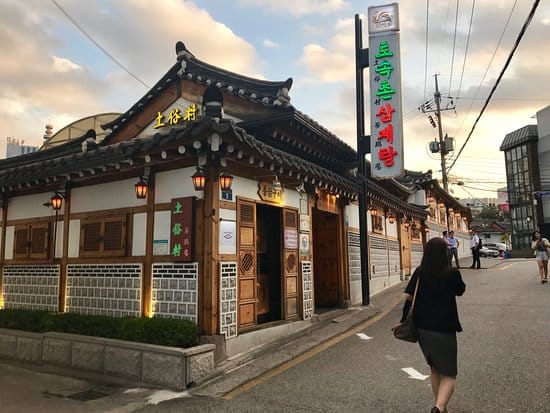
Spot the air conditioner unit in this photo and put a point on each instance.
(449, 144)
(434, 146)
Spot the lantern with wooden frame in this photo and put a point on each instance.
(373, 211)
(56, 201)
(141, 188)
(199, 179)
(226, 180)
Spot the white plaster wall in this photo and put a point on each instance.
(175, 184)
(118, 194)
(138, 234)
(162, 226)
(59, 240)
(352, 215)
(30, 206)
(74, 238)
(355, 292)
(391, 229)
(10, 235)
(228, 214)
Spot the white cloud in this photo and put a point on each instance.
(63, 65)
(301, 7)
(270, 44)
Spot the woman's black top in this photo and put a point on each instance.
(435, 306)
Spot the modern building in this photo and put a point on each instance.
(16, 147)
(212, 198)
(527, 156)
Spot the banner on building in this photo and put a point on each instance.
(385, 92)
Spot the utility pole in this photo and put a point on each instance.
(445, 144)
(442, 149)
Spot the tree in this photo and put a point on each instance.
(491, 212)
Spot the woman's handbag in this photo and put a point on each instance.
(406, 330)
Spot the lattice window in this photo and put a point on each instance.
(247, 213)
(31, 241)
(247, 262)
(103, 237)
(291, 219)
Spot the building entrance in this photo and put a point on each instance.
(326, 259)
(268, 253)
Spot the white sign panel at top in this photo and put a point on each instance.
(383, 18)
(386, 119)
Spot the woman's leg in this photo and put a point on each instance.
(435, 379)
(446, 389)
(545, 269)
(540, 263)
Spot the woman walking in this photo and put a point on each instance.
(541, 246)
(436, 317)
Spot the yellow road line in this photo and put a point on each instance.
(307, 355)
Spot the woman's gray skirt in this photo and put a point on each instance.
(439, 350)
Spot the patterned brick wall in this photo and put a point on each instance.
(104, 289)
(416, 255)
(175, 290)
(307, 289)
(34, 287)
(395, 258)
(354, 256)
(228, 299)
(378, 264)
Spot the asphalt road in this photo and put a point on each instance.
(504, 360)
(504, 365)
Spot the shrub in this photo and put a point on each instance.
(162, 331)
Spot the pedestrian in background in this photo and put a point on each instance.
(453, 248)
(475, 246)
(541, 246)
(436, 317)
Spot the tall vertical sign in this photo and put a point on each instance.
(385, 92)
(181, 229)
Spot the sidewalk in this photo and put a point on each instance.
(236, 372)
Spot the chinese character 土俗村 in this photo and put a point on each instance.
(176, 251)
(176, 230)
(190, 113)
(174, 116)
(160, 121)
(177, 208)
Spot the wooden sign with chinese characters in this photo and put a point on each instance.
(266, 193)
(175, 116)
(181, 228)
(385, 86)
(327, 202)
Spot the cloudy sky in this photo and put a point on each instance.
(52, 72)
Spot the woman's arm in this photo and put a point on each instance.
(460, 286)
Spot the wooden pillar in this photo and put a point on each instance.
(65, 255)
(3, 248)
(147, 273)
(210, 255)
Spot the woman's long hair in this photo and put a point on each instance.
(435, 261)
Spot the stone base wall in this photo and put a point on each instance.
(148, 364)
(33, 287)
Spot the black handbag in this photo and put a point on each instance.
(406, 330)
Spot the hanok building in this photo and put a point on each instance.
(212, 198)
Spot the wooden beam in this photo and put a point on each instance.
(3, 248)
(147, 274)
(62, 304)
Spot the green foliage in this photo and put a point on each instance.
(162, 331)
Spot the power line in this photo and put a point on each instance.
(466, 51)
(90, 38)
(508, 60)
(454, 44)
(426, 51)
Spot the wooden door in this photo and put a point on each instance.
(405, 242)
(246, 241)
(325, 259)
(290, 264)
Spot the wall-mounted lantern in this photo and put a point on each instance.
(56, 201)
(226, 180)
(391, 219)
(373, 211)
(141, 188)
(199, 179)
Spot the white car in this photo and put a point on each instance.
(488, 252)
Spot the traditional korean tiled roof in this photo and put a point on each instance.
(520, 136)
(269, 93)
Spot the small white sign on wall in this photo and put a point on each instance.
(291, 239)
(304, 223)
(160, 247)
(304, 244)
(228, 237)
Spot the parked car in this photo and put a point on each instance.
(488, 252)
(496, 246)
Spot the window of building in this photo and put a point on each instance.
(377, 225)
(31, 241)
(103, 237)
